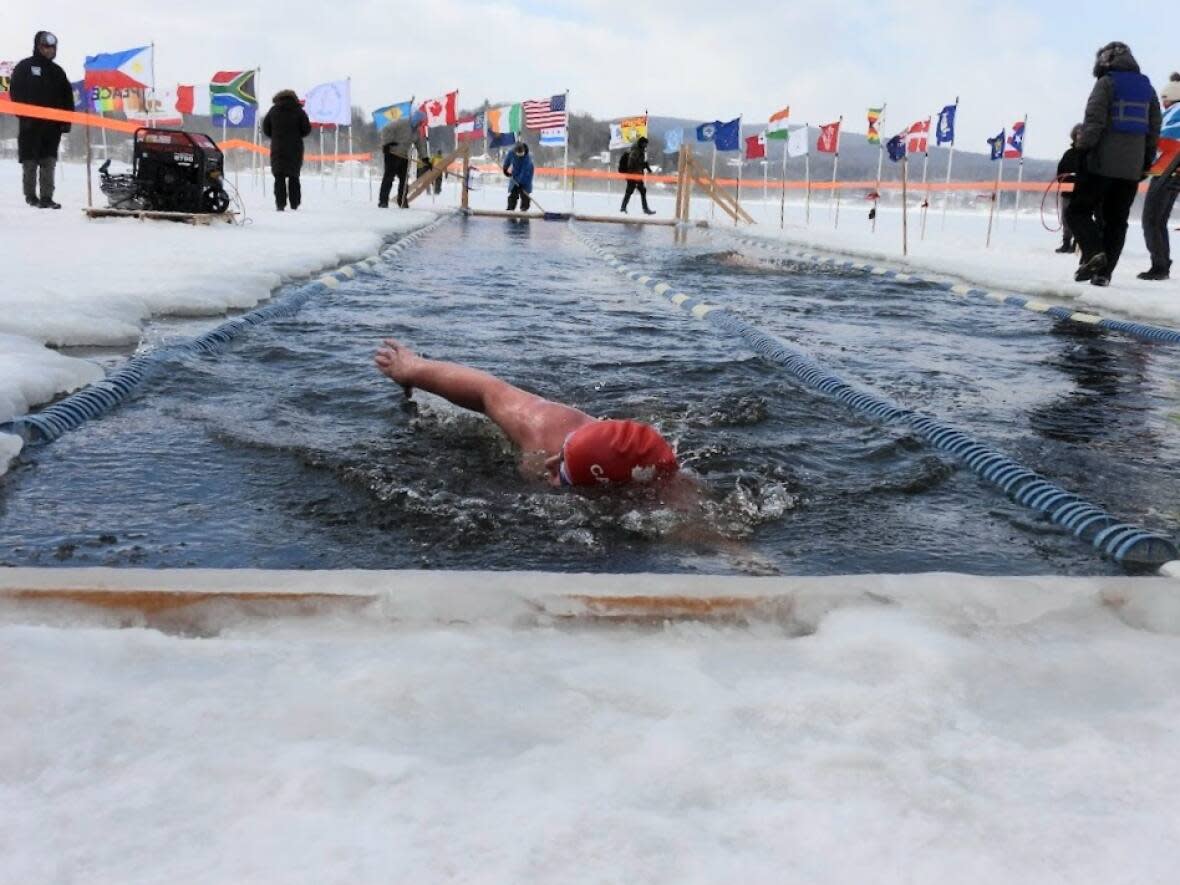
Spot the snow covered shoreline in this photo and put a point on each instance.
(890, 729)
(73, 282)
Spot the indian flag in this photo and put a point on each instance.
(506, 118)
(777, 127)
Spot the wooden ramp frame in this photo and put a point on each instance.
(690, 173)
(422, 182)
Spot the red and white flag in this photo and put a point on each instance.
(756, 146)
(193, 99)
(829, 138)
(440, 111)
(917, 137)
(545, 113)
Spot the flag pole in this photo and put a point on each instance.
(807, 174)
(880, 163)
(782, 203)
(741, 162)
(566, 159)
(835, 166)
(925, 191)
(905, 163)
(713, 175)
(1020, 173)
(150, 115)
(995, 197)
(349, 81)
(257, 166)
(950, 159)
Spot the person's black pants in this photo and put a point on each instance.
(1157, 209)
(395, 167)
(287, 188)
(1110, 199)
(518, 193)
(632, 187)
(1066, 231)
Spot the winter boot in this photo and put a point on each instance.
(29, 181)
(48, 204)
(1157, 272)
(647, 210)
(1094, 266)
(1100, 279)
(623, 208)
(1066, 246)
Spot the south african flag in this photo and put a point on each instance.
(235, 84)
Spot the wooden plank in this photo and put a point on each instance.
(424, 181)
(609, 219)
(501, 213)
(152, 214)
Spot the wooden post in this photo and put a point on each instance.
(463, 199)
(905, 163)
(89, 189)
(995, 199)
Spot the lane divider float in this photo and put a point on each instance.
(103, 396)
(1123, 542)
(1143, 331)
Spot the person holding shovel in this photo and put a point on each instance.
(518, 167)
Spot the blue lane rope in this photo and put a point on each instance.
(1142, 331)
(102, 396)
(1123, 542)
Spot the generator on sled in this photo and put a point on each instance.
(172, 171)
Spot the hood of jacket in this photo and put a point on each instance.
(37, 41)
(1114, 57)
(285, 96)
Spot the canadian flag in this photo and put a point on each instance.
(440, 111)
(917, 137)
(829, 138)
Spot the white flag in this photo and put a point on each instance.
(154, 106)
(797, 140)
(554, 136)
(616, 137)
(329, 103)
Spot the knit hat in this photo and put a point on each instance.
(616, 452)
(1171, 92)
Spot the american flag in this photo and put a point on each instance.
(545, 113)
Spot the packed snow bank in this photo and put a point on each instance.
(925, 729)
(72, 281)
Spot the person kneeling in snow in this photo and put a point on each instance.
(518, 166)
(558, 442)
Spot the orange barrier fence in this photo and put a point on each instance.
(752, 184)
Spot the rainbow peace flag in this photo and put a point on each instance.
(874, 118)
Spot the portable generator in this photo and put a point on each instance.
(172, 171)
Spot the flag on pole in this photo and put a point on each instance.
(1015, 149)
(501, 139)
(896, 146)
(545, 113)
(829, 138)
(469, 128)
(506, 118)
(777, 127)
(105, 99)
(997, 145)
(756, 146)
(945, 132)
(918, 137)
(6, 68)
(391, 113)
(553, 136)
(797, 140)
(193, 100)
(874, 117)
(708, 131)
(329, 104)
(441, 111)
(729, 135)
(78, 87)
(129, 69)
(238, 85)
(230, 111)
(673, 139)
(627, 131)
(152, 106)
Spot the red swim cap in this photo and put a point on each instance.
(616, 451)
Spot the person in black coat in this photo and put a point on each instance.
(286, 125)
(396, 139)
(1067, 173)
(637, 164)
(38, 80)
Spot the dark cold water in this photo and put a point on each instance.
(288, 450)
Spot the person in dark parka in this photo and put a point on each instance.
(1067, 173)
(637, 164)
(38, 80)
(518, 169)
(286, 125)
(1118, 139)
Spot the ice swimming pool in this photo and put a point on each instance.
(288, 450)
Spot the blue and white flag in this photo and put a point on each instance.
(896, 147)
(232, 112)
(729, 135)
(997, 145)
(707, 131)
(391, 112)
(673, 139)
(501, 139)
(945, 133)
(554, 136)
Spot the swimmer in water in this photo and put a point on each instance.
(562, 444)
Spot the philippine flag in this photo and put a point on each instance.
(129, 69)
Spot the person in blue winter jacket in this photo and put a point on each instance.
(1161, 193)
(518, 167)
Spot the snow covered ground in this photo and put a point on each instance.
(925, 729)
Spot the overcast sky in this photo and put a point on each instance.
(618, 57)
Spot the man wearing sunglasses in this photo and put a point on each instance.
(38, 80)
